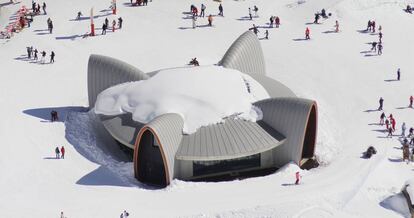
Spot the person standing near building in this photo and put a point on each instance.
(297, 174)
(62, 152)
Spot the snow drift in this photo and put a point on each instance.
(200, 95)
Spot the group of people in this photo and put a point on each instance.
(33, 54)
(195, 14)
(60, 153)
(319, 15)
(390, 125)
(256, 10)
(36, 7)
(377, 47)
(114, 24)
(139, 2)
(275, 20)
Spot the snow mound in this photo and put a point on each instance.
(200, 95)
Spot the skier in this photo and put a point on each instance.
(62, 152)
(382, 117)
(403, 129)
(203, 9)
(52, 57)
(381, 103)
(387, 123)
(297, 178)
(113, 25)
(221, 10)
(411, 101)
(104, 26)
(57, 152)
(35, 54)
(44, 8)
(393, 123)
(336, 26)
(323, 13)
(42, 59)
(255, 29)
(374, 46)
(316, 18)
(271, 19)
(120, 22)
(398, 74)
(373, 26)
(266, 34)
(79, 15)
(307, 33)
(194, 22)
(124, 214)
(380, 48)
(369, 25)
(255, 9)
(277, 22)
(29, 52)
(389, 132)
(250, 14)
(210, 20)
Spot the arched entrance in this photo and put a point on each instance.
(149, 164)
(309, 142)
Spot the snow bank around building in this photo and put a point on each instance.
(200, 95)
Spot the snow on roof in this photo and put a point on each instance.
(200, 95)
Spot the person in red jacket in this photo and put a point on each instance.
(277, 22)
(411, 101)
(393, 124)
(62, 152)
(307, 33)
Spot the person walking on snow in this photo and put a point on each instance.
(389, 132)
(380, 48)
(210, 20)
(374, 46)
(387, 124)
(398, 74)
(35, 54)
(410, 132)
(277, 22)
(194, 19)
(57, 152)
(113, 25)
(221, 10)
(382, 117)
(250, 14)
(403, 129)
(373, 26)
(393, 123)
(297, 174)
(255, 9)
(104, 26)
(336, 26)
(62, 152)
(255, 29)
(52, 57)
(380, 37)
(266, 34)
(106, 22)
(381, 103)
(44, 8)
(307, 33)
(271, 19)
(42, 59)
(411, 101)
(203, 8)
(120, 23)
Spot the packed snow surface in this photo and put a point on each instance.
(200, 95)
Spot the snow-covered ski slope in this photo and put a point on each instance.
(335, 69)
